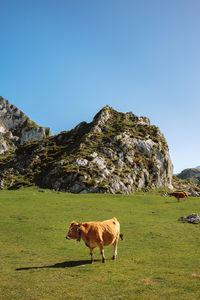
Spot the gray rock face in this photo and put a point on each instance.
(193, 193)
(17, 128)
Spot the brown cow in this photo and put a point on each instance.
(179, 195)
(96, 234)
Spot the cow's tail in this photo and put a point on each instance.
(121, 236)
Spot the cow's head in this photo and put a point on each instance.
(74, 231)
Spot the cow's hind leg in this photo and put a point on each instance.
(92, 255)
(102, 253)
(115, 249)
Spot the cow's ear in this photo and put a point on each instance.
(74, 223)
(85, 225)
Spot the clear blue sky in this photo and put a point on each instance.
(61, 61)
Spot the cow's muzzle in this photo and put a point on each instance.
(67, 237)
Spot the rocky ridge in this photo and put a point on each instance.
(17, 128)
(191, 174)
(115, 153)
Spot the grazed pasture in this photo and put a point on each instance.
(159, 258)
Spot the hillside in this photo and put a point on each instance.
(190, 173)
(115, 153)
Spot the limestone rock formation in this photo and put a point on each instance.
(115, 153)
(17, 128)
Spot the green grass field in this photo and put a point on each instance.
(159, 258)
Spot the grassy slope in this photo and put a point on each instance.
(155, 261)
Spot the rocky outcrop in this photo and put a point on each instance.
(17, 128)
(115, 153)
(194, 192)
(193, 218)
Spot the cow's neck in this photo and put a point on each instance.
(84, 231)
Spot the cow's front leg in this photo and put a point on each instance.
(115, 249)
(102, 253)
(92, 255)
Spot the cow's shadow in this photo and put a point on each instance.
(65, 264)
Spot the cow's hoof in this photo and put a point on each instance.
(114, 258)
(103, 260)
(91, 261)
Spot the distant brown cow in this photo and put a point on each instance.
(96, 234)
(179, 195)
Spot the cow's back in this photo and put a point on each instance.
(110, 231)
(179, 194)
